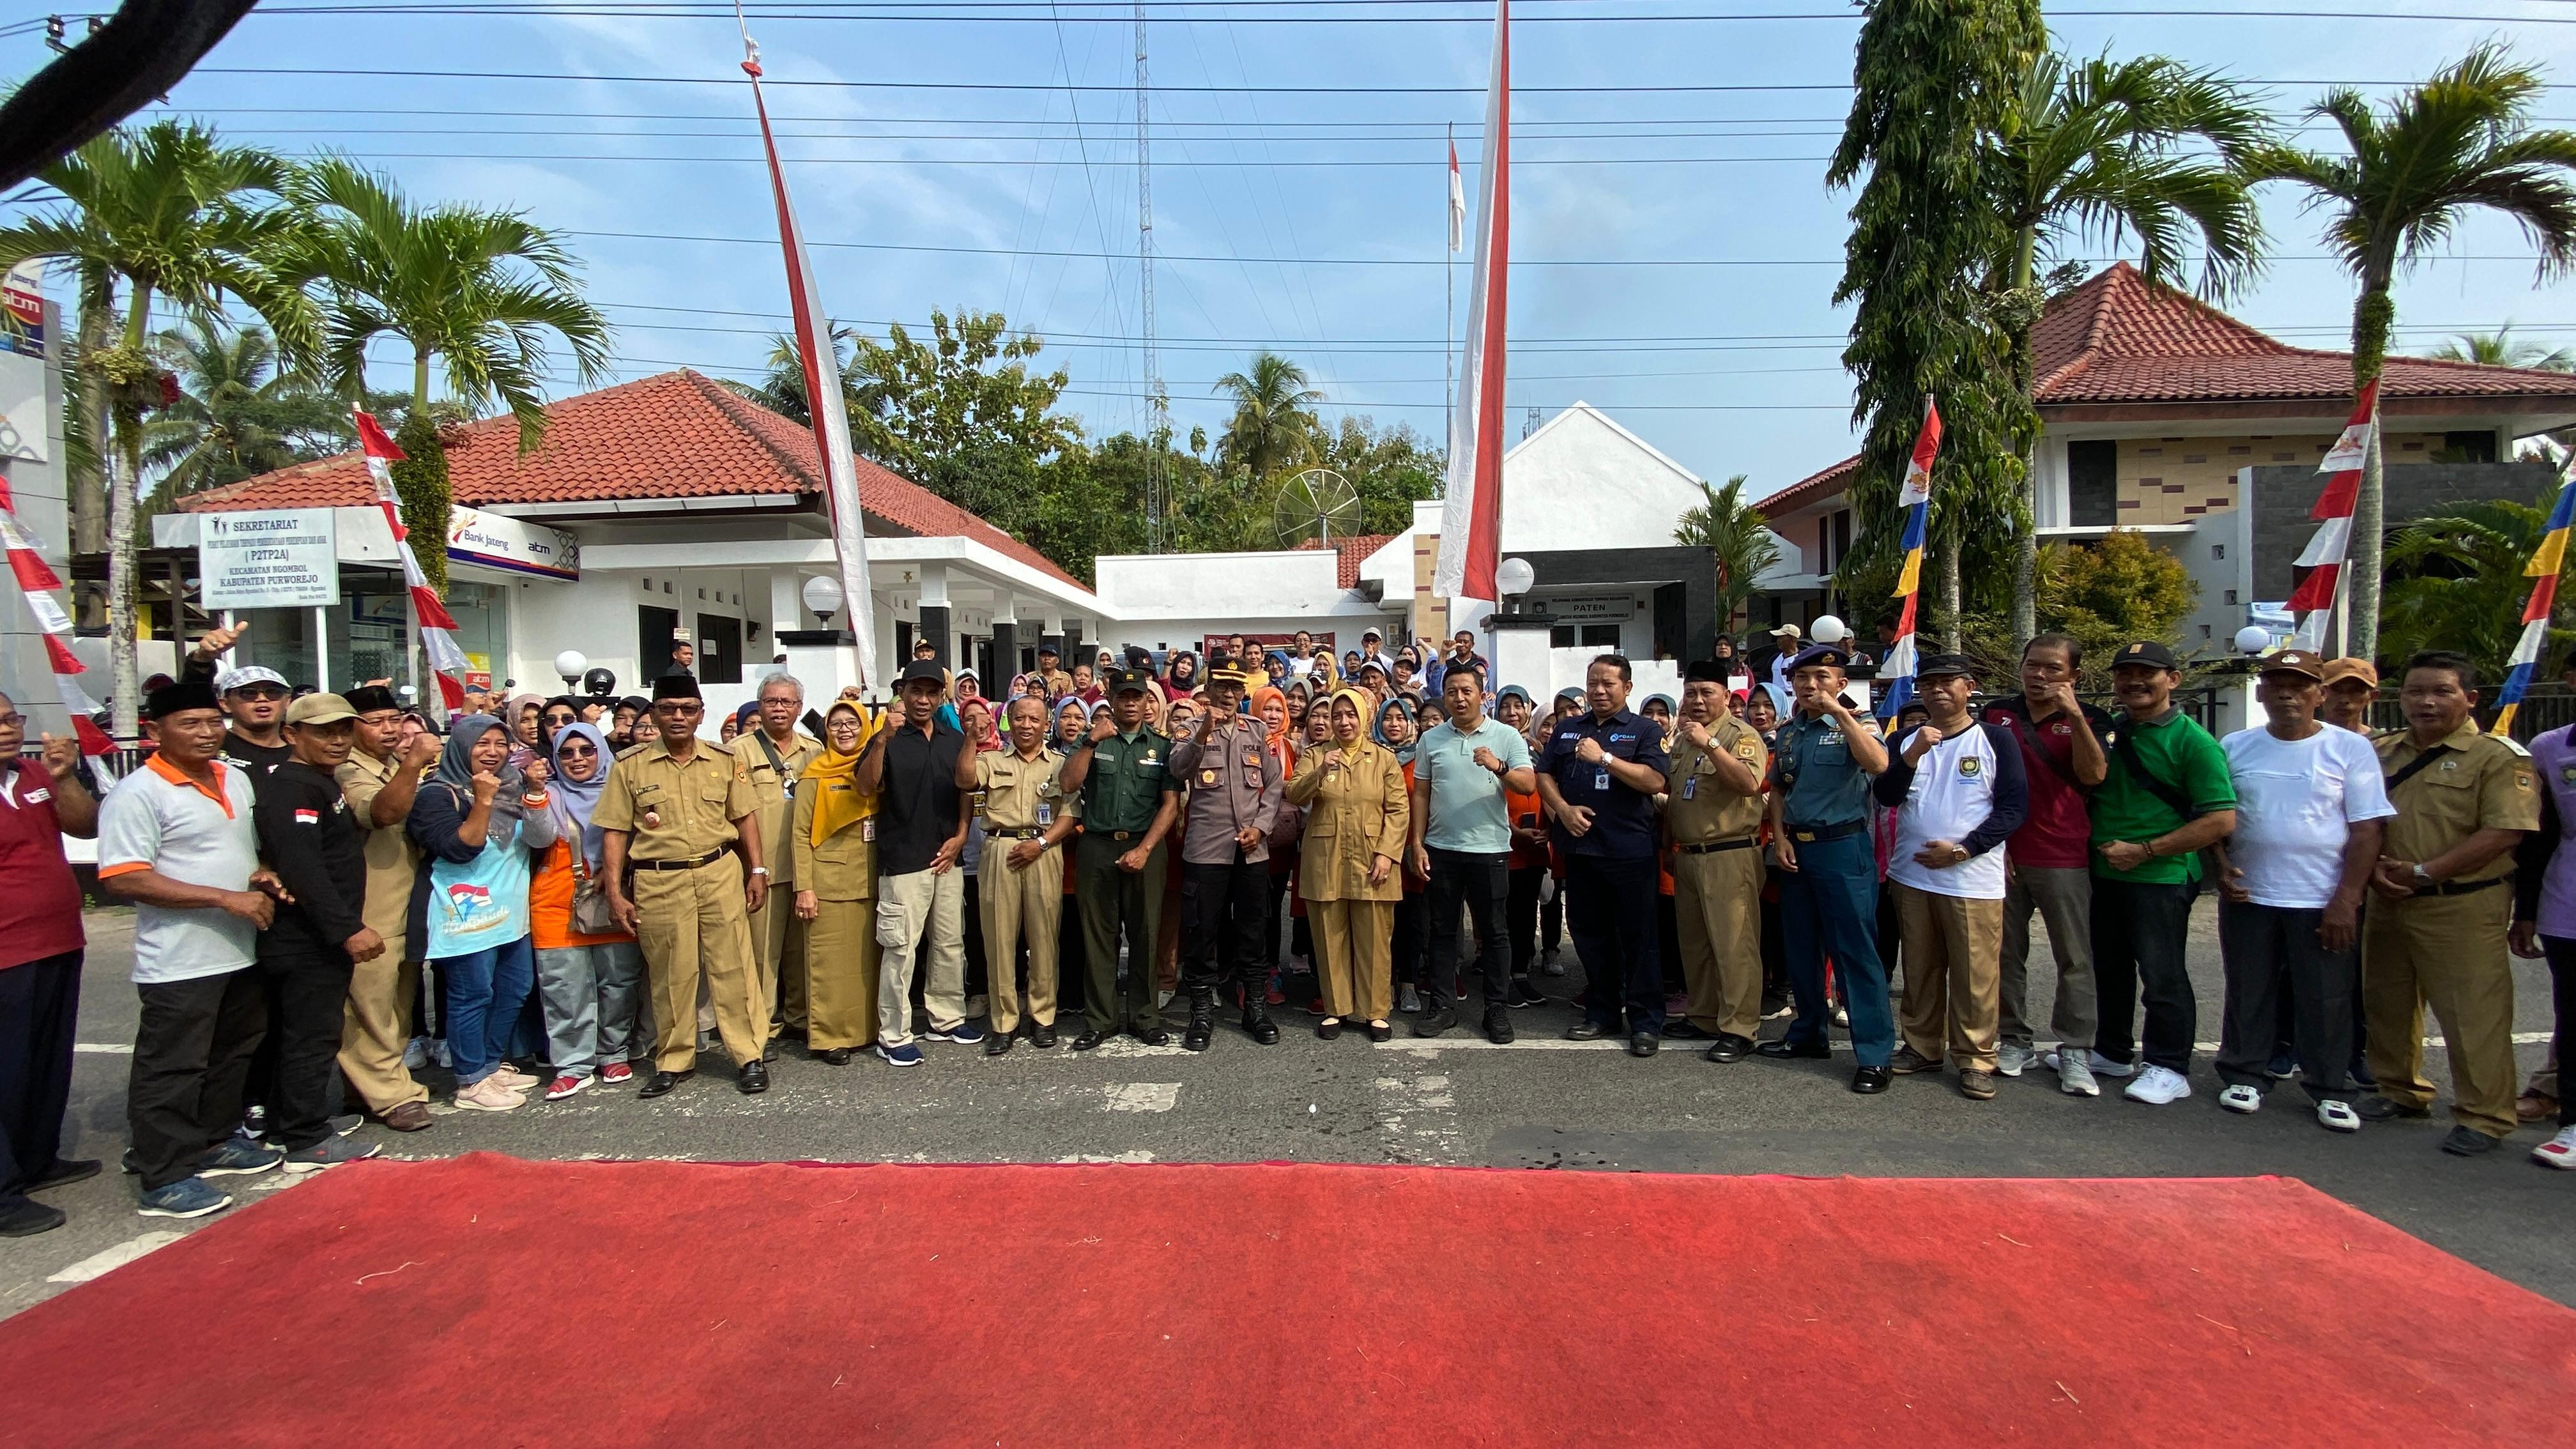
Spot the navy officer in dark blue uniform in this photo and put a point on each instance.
(1821, 770)
(1598, 780)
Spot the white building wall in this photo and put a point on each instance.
(1583, 482)
(38, 486)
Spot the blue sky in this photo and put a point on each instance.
(1729, 368)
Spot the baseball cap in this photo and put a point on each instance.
(922, 669)
(2146, 651)
(1792, 630)
(2339, 670)
(319, 709)
(2293, 661)
(246, 676)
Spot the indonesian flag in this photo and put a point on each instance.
(2313, 600)
(1457, 200)
(2548, 561)
(437, 627)
(830, 415)
(1471, 519)
(1915, 501)
(38, 580)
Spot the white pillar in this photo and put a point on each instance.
(322, 648)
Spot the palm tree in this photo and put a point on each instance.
(236, 415)
(479, 290)
(2500, 349)
(2457, 581)
(179, 219)
(781, 388)
(1274, 416)
(1739, 544)
(2095, 151)
(2459, 141)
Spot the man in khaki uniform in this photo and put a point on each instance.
(1026, 819)
(378, 780)
(775, 754)
(1712, 822)
(2437, 936)
(1058, 683)
(676, 810)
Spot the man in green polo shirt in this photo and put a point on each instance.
(2168, 795)
(1122, 770)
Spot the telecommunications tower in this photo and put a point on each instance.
(1158, 417)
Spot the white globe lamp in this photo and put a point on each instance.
(572, 664)
(1513, 577)
(2253, 639)
(1828, 630)
(823, 597)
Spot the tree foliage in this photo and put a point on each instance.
(2456, 581)
(2104, 594)
(236, 415)
(917, 403)
(1933, 81)
(2501, 348)
(1733, 532)
(1391, 469)
(2412, 171)
(1274, 427)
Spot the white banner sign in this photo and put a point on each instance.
(283, 560)
(494, 541)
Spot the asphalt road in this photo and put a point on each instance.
(1542, 1103)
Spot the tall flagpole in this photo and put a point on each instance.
(1449, 299)
(1471, 510)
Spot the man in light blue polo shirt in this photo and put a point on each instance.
(1462, 841)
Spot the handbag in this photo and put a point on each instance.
(591, 915)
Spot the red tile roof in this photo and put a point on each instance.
(2120, 338)
(675, 435)
(1350, 553)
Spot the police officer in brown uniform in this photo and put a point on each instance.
(676, 810)
(1026, 819)
(378, 780)
(1712, 822)
(2436, 935)
(1234, 785)
(775, 753)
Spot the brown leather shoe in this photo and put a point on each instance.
(409, 1117)
(2535, 1107)
(1977, 1085)
(1908, 1061)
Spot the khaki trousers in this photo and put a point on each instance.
(2446, 952)
(695, 927)
(841, 975)
(1953, 976)
(778, 941)
(375, 1028)
(1717, 904)
(1013, 901)
(921, 922)
(1352, 961)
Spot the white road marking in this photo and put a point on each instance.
(109, 1259)
(1419, 1118)
(1692, 1049)
(1141, 1096)
(1131, 1155)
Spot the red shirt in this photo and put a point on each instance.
(40, 902)
(2057, 835)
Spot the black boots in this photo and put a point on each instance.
(1256, 1016)
(1202, 1019)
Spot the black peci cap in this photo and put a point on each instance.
(676, 686)
(187, 694)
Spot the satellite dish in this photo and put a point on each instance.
(1318, 503)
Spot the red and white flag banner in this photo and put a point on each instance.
(1471, 516)
(2314, 598)
(831, 419)
(39, 581)
(447, 661)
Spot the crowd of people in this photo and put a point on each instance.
(337, 896)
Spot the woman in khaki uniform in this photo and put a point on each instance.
(1357, 813)
(836, 868)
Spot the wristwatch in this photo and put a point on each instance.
(760, 870)
(2424, 879)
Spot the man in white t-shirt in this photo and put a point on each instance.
(1959, 791)
(2309, 802)
(176, 839)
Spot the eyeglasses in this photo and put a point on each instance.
(12, 721)
(577, 751)
(561, 719)
(261, 691)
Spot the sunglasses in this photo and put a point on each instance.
(584, 751)
(261, 691)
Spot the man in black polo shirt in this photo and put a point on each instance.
(922, 818)
(1598, 780)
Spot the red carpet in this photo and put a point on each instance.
(487, 1301)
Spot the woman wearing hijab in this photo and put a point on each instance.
(477, 818)
(1183, 672)
(1395, 733)
(520, 714)
(1072, 720)
(557, 712)
(835, 843)
(590, 982)
(1359, 808)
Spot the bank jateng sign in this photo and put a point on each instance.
(283, 560)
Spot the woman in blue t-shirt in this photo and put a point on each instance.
(478, 818)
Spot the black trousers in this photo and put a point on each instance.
(192, 1052)
(1775, 954)
(1222, 930)
(1520, 917)
(1404, 939)
(1072, 975)
(1610, 909)
(1483, 885)
(2276, 969)
(2562, 979)
(2137, 956)
(39, 1005)
(306, 994)
(1115, 902)
(1551, 919)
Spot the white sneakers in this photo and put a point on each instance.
(2157, 1086)
(2339, 1117)
(2241, 1098)
(2095, 1063)
(2074, 1077)
(488, 1095)
(2013, 1060)
(2558, 1151)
